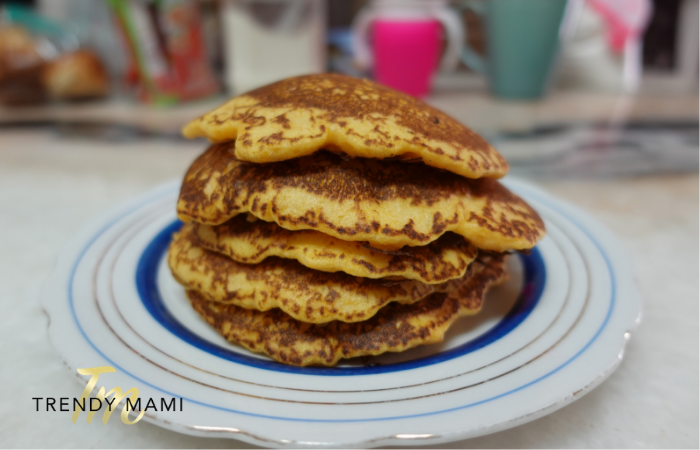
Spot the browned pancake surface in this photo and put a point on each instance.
(387, 203)
(305, 294)
(298, 116)
(251, 242)
(394, 328)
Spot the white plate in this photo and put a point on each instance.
(553, 332)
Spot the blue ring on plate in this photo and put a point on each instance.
(534, 276)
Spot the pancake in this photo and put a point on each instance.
(395, 328)
(305, 294)
(252, 242)
(389, 204)
(299, 116)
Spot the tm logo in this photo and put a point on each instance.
(94, 404)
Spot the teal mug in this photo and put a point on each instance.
(522, 42)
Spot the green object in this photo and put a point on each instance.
(139, 38)
(522, 45)
(35, 23)
(57, 34)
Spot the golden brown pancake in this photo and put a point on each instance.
(299, 116)
(386, 203)
(395, 328)
(305, 294)
(252, 242)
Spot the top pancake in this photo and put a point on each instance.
(299, 116)
(390, 204)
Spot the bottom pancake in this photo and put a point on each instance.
(395, 328)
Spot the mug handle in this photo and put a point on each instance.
(455, 32)
(469, 56)
(360, 29)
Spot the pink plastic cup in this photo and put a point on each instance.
(406, 54)
(405, 38)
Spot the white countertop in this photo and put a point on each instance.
(50, 186)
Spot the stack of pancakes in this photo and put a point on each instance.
(334, 218)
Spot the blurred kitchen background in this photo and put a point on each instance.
(561, 88)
